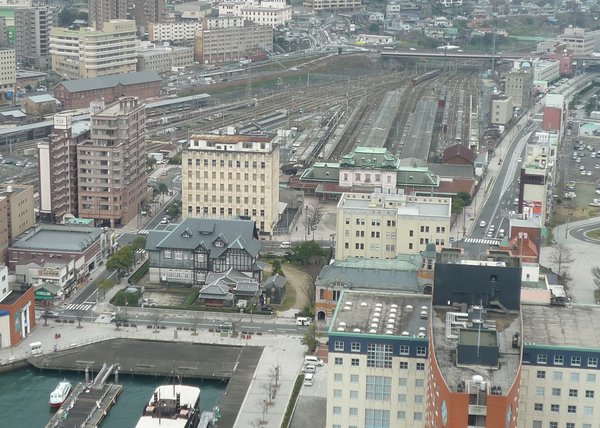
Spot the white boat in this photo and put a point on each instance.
(172, 406)
(60, 393)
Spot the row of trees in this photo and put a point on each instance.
(124, 258)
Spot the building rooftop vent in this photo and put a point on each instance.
(421, 334)
(364, 304)
(372, 331)
(375, 319)
(356, 330)
(340, 329)
(342, 324)
(392, 315)
(394, 306)
(405, 333)
(348, 303)
(424, 308)
(422, 329)
(374, 325)
(409, 307)
(378, 305)
(393, 310)
(389, 332)
(347, 308)
(391, 326)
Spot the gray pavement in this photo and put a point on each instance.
(585, 255)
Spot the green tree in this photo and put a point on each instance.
(174, 210)
(163, 188)
(105, 285)
(306, 251)
(66, 17)
(374, 28)
(277, 268)
(465, 196)
(82, 15)
(310, 338)
(175, 160)
(150, 162)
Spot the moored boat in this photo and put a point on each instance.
(60, 393)
(177, 404)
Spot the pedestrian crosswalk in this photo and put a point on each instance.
(482, 241)
(80, 306)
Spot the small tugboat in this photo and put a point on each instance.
(60, 393)
(175, 406)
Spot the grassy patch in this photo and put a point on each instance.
(292, 403)
(143, 270)
(594, 234)
(290, 298)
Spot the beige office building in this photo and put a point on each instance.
(381, 226)
(8, 70)
(87, 53)
(331, 5)
(112, 164)
(502, 110)
(226, 176)
(230, 43)
(102, 11)
(20, 204)
(518, 85)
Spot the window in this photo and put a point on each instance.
(167, 254)
(420, 383)
(591, 377)
(542, 359)
(375, 418)
(355, 347)
(575, 360)
(556, 392)
(338, 345)
(553, 425)
(572, 393)
(402, 381)
(355, 362)
(353, 411)
(379, 388)
(572, 409)
(554, 408)
(418, 416)
(403, 365)
(337, 377)
(589, 393)
(379, 355)
(539, 390)
(419, 399)
(541, 374)
(401, 414)
(421, 351)
(557, 375)
(339, 361)
(404, 349)
(574, 377)
(538, 407)
(559, 360)
(536, 424)
(570, 425)
(354, 378)
(588, 410)
(401, 398)
(353, 395)
(420, 366)
(337, 393)
(337, 410)
(592, 362)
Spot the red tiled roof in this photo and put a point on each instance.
(457, 185)
(458, 150)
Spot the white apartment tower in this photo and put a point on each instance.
(227, 176)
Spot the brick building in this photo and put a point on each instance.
(74, 94)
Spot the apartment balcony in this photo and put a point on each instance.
(477, 410)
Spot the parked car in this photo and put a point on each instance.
(309, 368)
(50, 314)
(267, 309)
(225, 325)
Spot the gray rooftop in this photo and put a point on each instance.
(193, 233)
(397, 314)
(398, 274)
(42, 98)
(574, 327)
(449, 170)
(58, 238)
(82, 85)
(506, 324)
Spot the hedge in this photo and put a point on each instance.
(292, 403)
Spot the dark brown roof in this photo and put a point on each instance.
(459, 150)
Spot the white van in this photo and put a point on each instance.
(315, 361)
(303, 321)
(309, 379)
(35, 348)
(285, 244)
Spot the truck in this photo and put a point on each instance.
(245, 62)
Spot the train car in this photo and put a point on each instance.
(424, 77)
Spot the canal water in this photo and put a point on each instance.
(24, 397)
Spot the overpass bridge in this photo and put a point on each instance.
(470, 55)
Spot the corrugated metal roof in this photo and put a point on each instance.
(82, 85)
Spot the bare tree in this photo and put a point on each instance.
(314, 215)
(596, 275)
(268, 389)
(562, 258)
(274, 375)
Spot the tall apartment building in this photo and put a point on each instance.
(32, 36)
(87, 53)
(579, 41)
(377, 361)
(112, 164)
(518, 85)
(226, 176)
(382, 226)
(4, 241)
(274, 13)
(147, 11)
(58, 168)
(102, 11)
(221, 44)
(8, 71)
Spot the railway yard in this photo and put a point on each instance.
(412, 113)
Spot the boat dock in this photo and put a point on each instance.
(88, 404)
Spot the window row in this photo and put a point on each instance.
(559, 360)
(354, 378)
(556, 392)
(339, 346)
(573, 376)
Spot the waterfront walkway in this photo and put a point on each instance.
(284, 352)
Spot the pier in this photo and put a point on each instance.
(89, 403)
